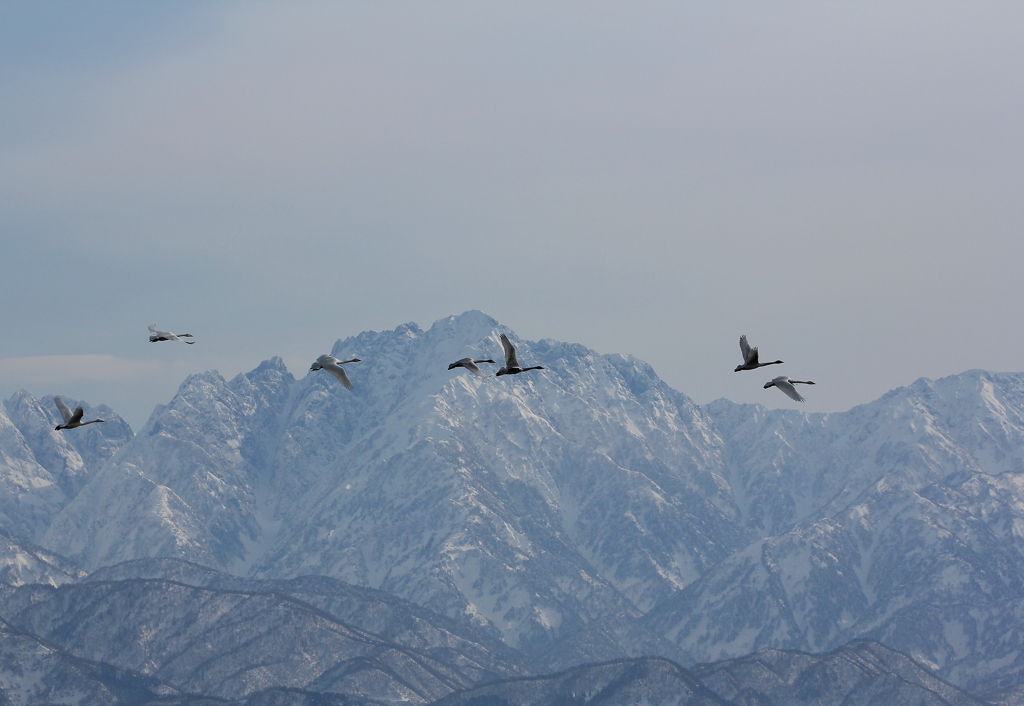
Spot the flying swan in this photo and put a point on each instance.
(786, 385)
(333, 366)
(155, 336)
(71, 421)
(750, 357)
(470, 365)
(512, 366)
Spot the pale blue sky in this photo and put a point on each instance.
(839, 181)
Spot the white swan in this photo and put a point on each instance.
(512, 366)
(750, 357)
(71, 421)
(470, 365)
(786, 385)
(333, 366)
(155, 336)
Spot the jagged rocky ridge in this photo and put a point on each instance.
(581, 513)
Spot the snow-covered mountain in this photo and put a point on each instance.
(42, 470)
(580, 513)
(914, 534)
(22, 562)
(534, 504)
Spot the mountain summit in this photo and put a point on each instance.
(583, 512)
(534, 505)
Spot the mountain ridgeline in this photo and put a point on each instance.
(581, 517)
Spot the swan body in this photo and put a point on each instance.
(786, 385)
(512, 366)
(470, 365)
(333, 366)
(750, 357)
(71, 420)
(155, 335)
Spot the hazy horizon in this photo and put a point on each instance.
(839, 182)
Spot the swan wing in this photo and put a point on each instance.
(745, 348)
(339, 374)
(472, 367)
(510, 352)
(158, 335)
(786, 386)
(65, 413)
(76, 417)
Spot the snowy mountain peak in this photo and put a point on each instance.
(557, 507)
(275, 364)
(467, 494)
